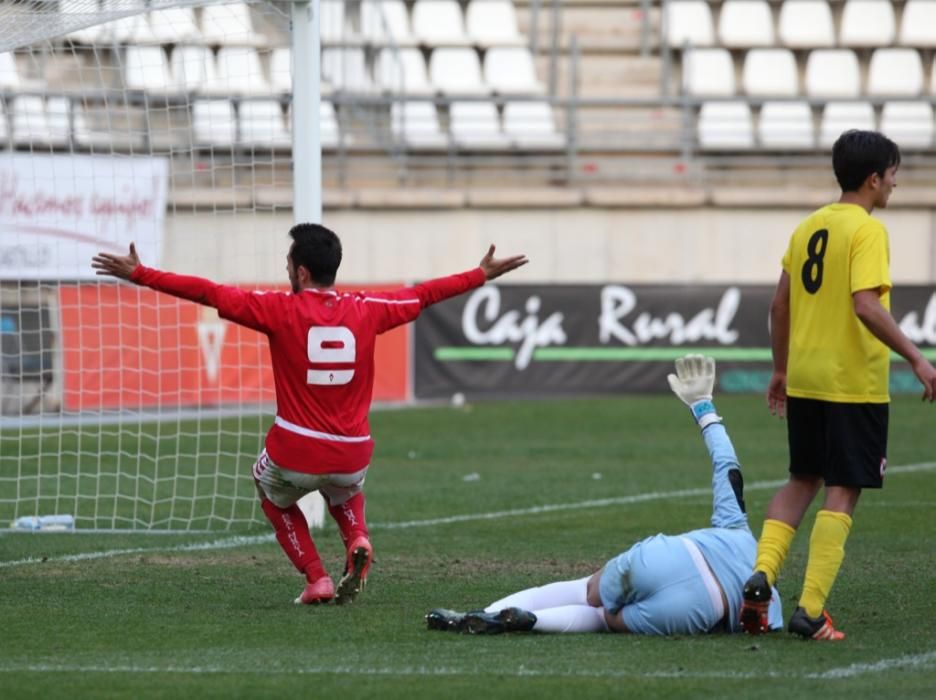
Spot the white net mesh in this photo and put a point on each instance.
(165, 125)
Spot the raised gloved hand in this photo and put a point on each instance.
(693, 384)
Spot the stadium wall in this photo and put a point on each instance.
(571, 245)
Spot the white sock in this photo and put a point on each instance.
(551, 595)
(570, 618)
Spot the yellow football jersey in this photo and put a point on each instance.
(836, 251)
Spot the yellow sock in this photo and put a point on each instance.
(826, 552)
(772, 548)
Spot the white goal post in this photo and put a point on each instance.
(169, 124)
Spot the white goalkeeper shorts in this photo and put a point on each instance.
(284, 486)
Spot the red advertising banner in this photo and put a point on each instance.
(127, 347)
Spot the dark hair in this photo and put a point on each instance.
(318, 250)
(857, 154)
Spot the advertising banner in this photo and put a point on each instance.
(127, 347)
(525, 341)
(57, 211)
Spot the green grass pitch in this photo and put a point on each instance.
(177, 621)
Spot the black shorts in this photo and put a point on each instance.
(844, 443)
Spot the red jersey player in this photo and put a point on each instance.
(322, 351)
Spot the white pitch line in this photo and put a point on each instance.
(240, 541)
(907, 662)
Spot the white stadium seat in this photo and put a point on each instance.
(402, 70)
(806, 24)
(123, 30)
(213, 123)
(228, 24)
(725, 125)
(174, 25)
(262, 123)
(868, 23)
(896, 72)
(786, 125)
(916, 27)
(745, 23)
(147, 68)
(475, 125)
(910, 124)
(417, 124)
(33, 124)
(832, 73)
(770, 72)
(281, 70)
(240, 71)
(708, 73)
(386, 22)
(493, 23)
(332, 21)
(58, 116)
(346, 69)
(9, 76)
(842, 116)
(193, 68)
(689, 22)
(457, 71)
(439, 23)
(511, 70)
(531, 125)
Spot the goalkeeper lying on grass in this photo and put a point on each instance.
(665, 584)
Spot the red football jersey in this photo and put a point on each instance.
(322, 350)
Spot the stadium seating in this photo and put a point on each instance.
(708, 73)
(240, 70)
(745, 23)
(916, 27)
(910, 124)
(87, 35)
(262, 123)
(9, 76)
(386, 22)
(416, 124)
(770, 72)
(476, 125)
(32, 123)
(229, 24)
(530, 125)
(439, 23)
(689, 22)
(147, 68)
(174, 25)
(124, 30)
(193, 68)
(786, 126)
(402, 70)
(867, 23)
(213, 123)
(833, 73)
(4, 127)
(895, 72)
(493, 23)
(281, 70)
(332, 27)
(456, 71)
(346, 69)
(841, 116)
(806, 24)
(725, 125)
(511, 71)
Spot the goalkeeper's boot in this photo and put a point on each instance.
(445, 620)
(506, 620)
(756, 601)
(819, 628)
(360, 555)
(320, 591)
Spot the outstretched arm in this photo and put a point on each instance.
(693, 383)
(238, 305)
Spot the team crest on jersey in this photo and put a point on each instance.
(883, 466)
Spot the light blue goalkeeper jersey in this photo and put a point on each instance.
(728, 546)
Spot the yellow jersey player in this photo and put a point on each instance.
(831, 337)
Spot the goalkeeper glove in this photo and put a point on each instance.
(693, 383)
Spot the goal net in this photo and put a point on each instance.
(166, 124)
